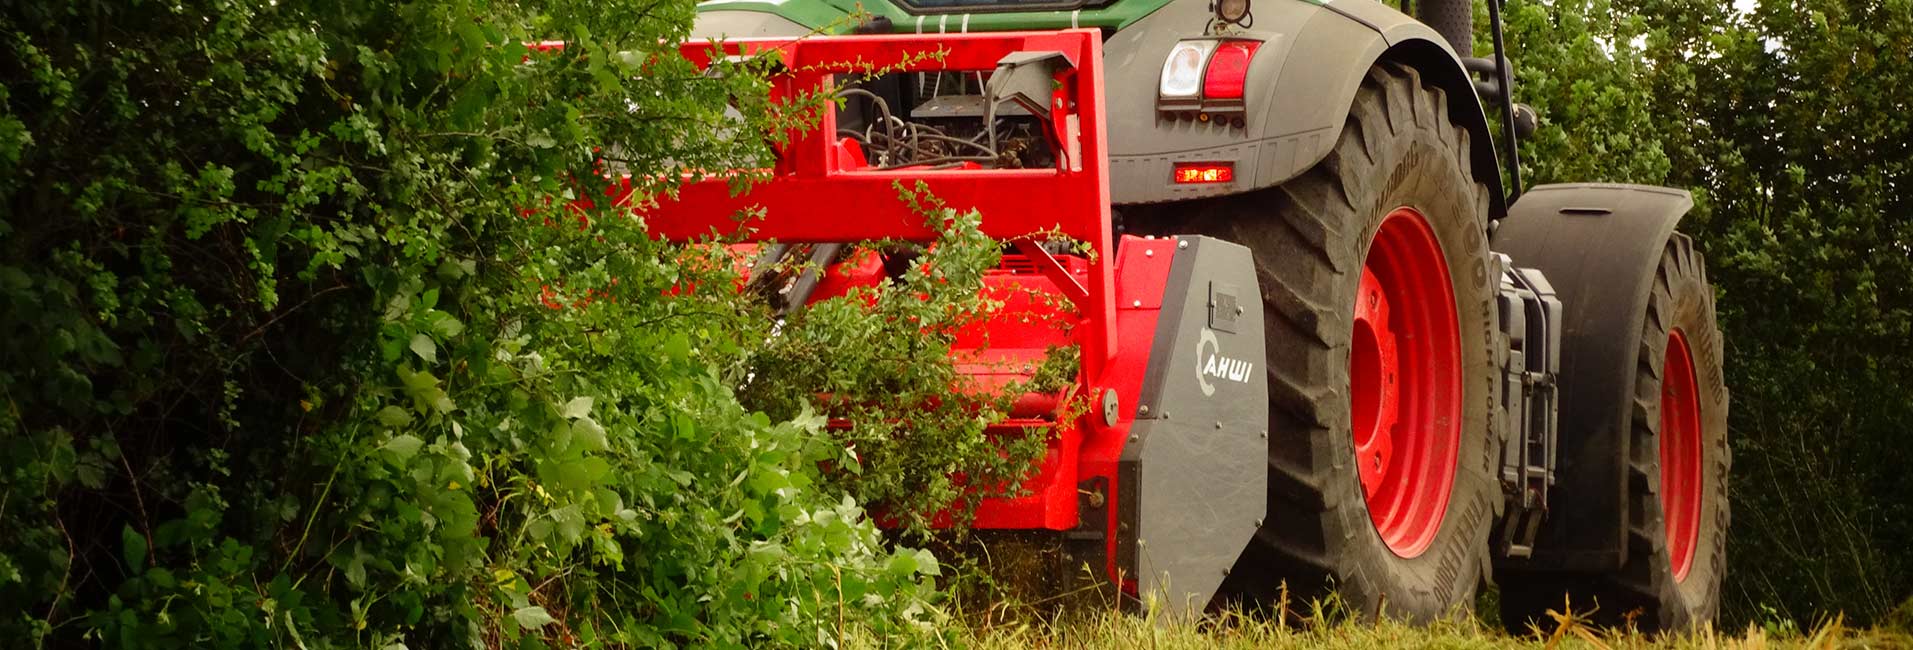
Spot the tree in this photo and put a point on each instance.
(1790, 125)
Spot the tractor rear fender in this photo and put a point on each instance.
(744, 24)
(1301, 84)
(1599, 245)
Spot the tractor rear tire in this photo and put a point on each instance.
(1678, 518)
(1397, 180)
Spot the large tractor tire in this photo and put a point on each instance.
(1676, 470)
(1379, 319)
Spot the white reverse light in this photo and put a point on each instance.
(1182, 73)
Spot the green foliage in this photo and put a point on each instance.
(917, 429)
(1575, 59)
(302, 343)
(1789, 124)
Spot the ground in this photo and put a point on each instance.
(1125, 631)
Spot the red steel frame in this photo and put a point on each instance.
(1071, 199)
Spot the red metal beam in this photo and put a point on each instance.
(814, 197)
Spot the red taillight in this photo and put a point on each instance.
(1229, 69)
(1208, 172)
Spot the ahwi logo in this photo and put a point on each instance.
(1211, 363)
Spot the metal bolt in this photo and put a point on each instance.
(1137, 303)
(1135, 437)
(1182, 244)
(1265, 435)
(1142, 410)
(1238, 310)
(1258, 522)
(1225, 571)
(1218, 426)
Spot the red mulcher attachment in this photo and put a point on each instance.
(1162, 482)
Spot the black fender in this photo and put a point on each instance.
(1599, 245)
(1301, 84)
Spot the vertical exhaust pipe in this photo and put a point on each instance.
(1454, 20)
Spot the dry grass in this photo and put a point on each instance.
(1099, 631)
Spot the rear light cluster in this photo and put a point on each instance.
(1204, 80)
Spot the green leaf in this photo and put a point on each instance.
(423, 346)
(403, 448)
(927, 563)
(677, 347)
(393, 416)
(589, 435)
(444, 325)
(577, 408)
(902, 564)
(423, 387)
(133, 548)
(571, 523)
(532, 618)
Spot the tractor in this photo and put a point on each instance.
(1328, 341)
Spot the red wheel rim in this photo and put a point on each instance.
(1405, 383)
(1680, 454)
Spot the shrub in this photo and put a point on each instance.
(303, 344)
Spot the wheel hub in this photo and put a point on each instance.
(1680, 454)
(1405, 383)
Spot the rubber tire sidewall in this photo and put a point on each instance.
(1418, 168)
(1682, 299)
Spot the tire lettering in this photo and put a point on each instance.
(1448, 573)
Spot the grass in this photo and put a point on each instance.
(990, 614)
(1099, 631)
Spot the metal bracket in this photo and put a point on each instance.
(1027, 78)
(1530, 319)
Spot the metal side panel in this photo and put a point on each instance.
(1197, 460)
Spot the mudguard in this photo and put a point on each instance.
(1301, 85)
(1599, 245)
